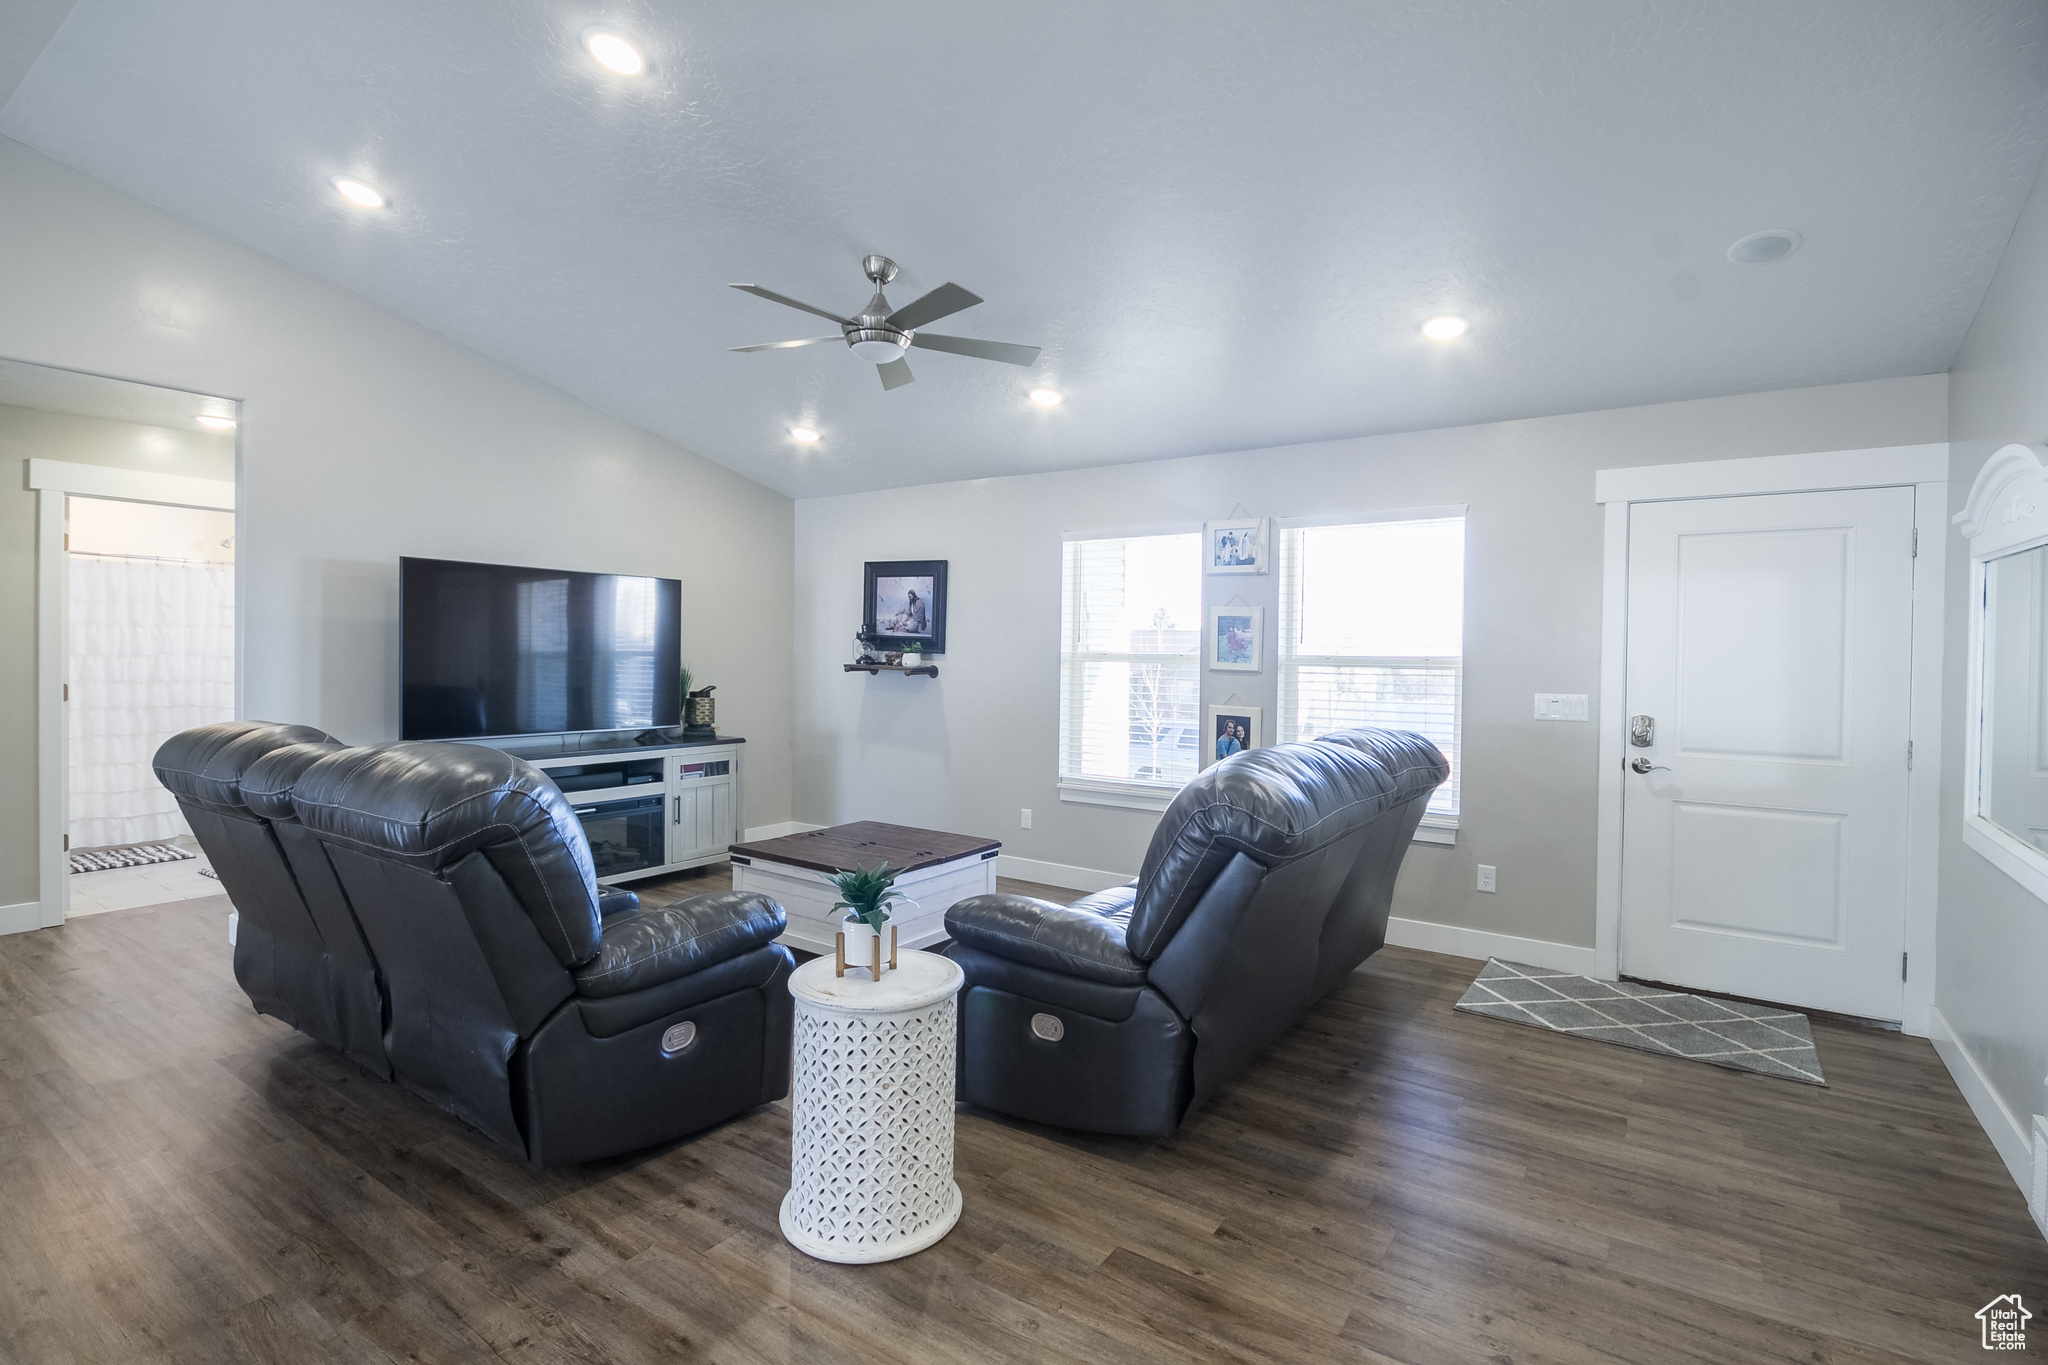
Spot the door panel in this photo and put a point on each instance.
(1762, 621)
(1764, 853)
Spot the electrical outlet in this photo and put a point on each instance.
(1025, 821)
(1486, 877)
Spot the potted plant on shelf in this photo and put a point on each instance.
(913, 654)
(866, 894)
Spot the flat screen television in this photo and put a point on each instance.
(491, 649)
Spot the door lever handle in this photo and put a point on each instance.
(1643, 765)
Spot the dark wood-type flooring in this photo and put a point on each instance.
(182, 1180)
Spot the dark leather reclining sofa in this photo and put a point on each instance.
(431, 911)
(1268, 880)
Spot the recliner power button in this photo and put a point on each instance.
(678, 1037)
(1048, 1027)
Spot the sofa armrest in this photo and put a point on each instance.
(612, 901)
(1087, 943)
(671, 941)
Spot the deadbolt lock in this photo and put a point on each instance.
(1642, 731)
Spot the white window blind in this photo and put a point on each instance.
(1372, 632)
(1130, 683)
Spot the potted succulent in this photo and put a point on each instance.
(866, 894)
(913, 654)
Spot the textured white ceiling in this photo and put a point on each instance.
(1223, 222)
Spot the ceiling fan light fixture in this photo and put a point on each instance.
(879, 350)
(1046, 398)
(803, 435)
(357, 193)
(1446, 328)
(216, 421)
(613, 53)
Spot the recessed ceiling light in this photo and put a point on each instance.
(1762, 248)
(1444, 328)
(1046, 398)
(216, 421)
(614, 53)
(357, 193)
(803, 435)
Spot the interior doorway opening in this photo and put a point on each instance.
(128, 490)
(150, 651)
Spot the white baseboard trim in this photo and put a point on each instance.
(2007, 1134)
(19, 919)
(1058, 874)
(760, 832)
(1458, 942)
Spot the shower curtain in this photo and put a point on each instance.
(152, 653)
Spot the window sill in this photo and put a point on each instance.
(1130, 795)
(1437, 829)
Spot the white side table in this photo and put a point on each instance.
(871, 1146)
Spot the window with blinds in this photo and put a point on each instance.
(1130, 681)
(1372, 632)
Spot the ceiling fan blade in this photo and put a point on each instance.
(944, 301)
(980, 350)
(895, 374)
(785, 345)
(788, 302)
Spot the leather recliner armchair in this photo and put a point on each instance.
(515, 1002)
(299, 954)
(1268, 880)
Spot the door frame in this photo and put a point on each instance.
(54, 481)
(1923, 468)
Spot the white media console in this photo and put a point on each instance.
(646, 808)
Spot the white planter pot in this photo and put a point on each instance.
(860, 941)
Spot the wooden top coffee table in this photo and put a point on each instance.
(935, 869)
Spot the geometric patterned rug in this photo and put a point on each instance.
(1757, 1038)
(128, 855)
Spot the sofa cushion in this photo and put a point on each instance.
(1085, 939)
(671, 941)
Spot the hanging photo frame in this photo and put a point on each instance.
(1232, 730)
(1235, 642)
(904, 602)
(1236, 546)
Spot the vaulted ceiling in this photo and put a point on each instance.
(1224, 223)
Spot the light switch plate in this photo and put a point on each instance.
(1561, 706)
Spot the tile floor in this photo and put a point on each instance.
(125, 888)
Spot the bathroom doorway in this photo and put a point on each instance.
(150, 651)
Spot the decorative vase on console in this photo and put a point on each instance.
(866, 938)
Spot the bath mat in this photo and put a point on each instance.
(130, 855)
(1770, 1042)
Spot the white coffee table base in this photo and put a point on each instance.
(871, 1140)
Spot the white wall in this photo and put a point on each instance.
(967, 750)
(364, 438)
(1992, 936)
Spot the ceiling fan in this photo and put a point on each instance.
(882, 334)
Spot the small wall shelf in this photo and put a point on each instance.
(924, 670)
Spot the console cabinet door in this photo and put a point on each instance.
(702, 817)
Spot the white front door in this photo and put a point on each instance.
(1769, 646)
